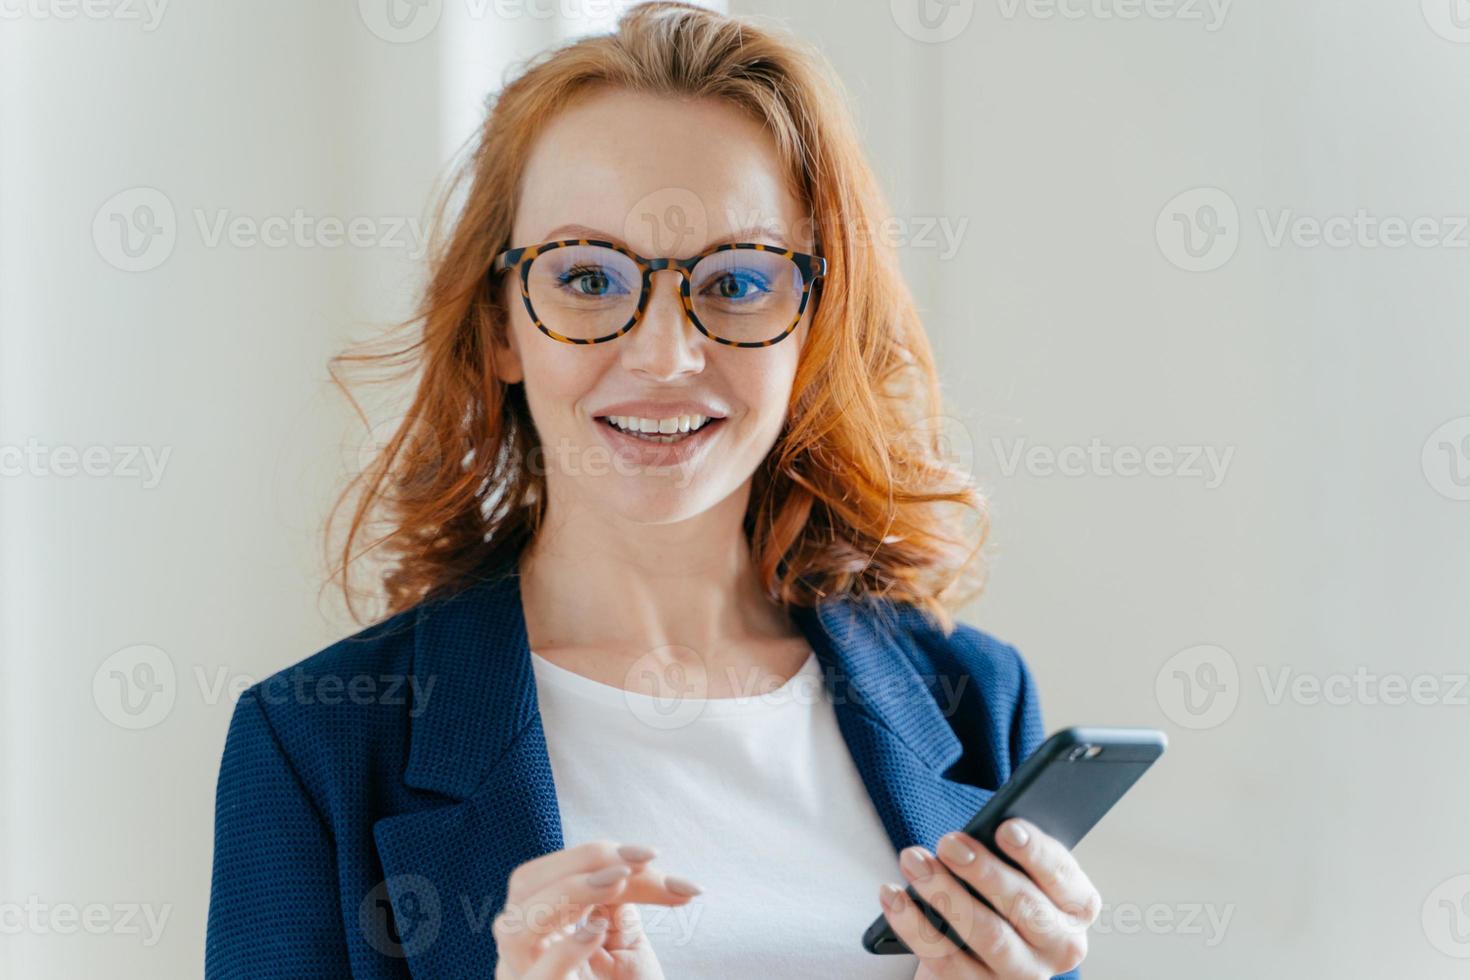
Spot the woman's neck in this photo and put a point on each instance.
(590, 583)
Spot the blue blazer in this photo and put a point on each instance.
(374, 798)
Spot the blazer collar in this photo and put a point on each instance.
(477, 739)
(473, 648)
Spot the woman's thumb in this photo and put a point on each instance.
(624, 925)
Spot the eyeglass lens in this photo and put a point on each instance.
(589, 291)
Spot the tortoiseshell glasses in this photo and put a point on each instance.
(587, 291)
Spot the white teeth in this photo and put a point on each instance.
(669, 426)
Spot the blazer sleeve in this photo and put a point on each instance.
(1027, 734)
(273, 902)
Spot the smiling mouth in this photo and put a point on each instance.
(658, 437)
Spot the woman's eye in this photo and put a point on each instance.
(737, 287)
(588, 281)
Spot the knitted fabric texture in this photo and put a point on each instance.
(374, 798)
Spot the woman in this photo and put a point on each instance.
(632, 481)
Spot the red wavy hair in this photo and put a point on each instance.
(857, 496)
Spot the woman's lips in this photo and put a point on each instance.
(648, 453)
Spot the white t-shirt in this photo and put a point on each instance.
(756, 799)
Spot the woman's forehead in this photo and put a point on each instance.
(656, 178)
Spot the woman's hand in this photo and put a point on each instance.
(541, 935)
(1041, 928)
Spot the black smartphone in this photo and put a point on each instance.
(1064, 788)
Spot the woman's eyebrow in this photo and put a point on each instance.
(762, 233)
(577, 231)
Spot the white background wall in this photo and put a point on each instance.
(1050, 143)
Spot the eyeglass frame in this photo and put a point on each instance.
(812, 268)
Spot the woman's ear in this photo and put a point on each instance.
(507, 359)
(505, 353)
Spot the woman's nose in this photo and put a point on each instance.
(665, 344)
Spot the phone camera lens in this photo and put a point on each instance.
(1077, 752)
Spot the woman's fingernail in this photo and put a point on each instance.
(635, 853)
(955, 850)
(681, 886)
(1015, 832)
(607, 876)
(589, 930)
(915, 861)
(891, 896)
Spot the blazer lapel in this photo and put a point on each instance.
(477, 740)
(891, 720)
